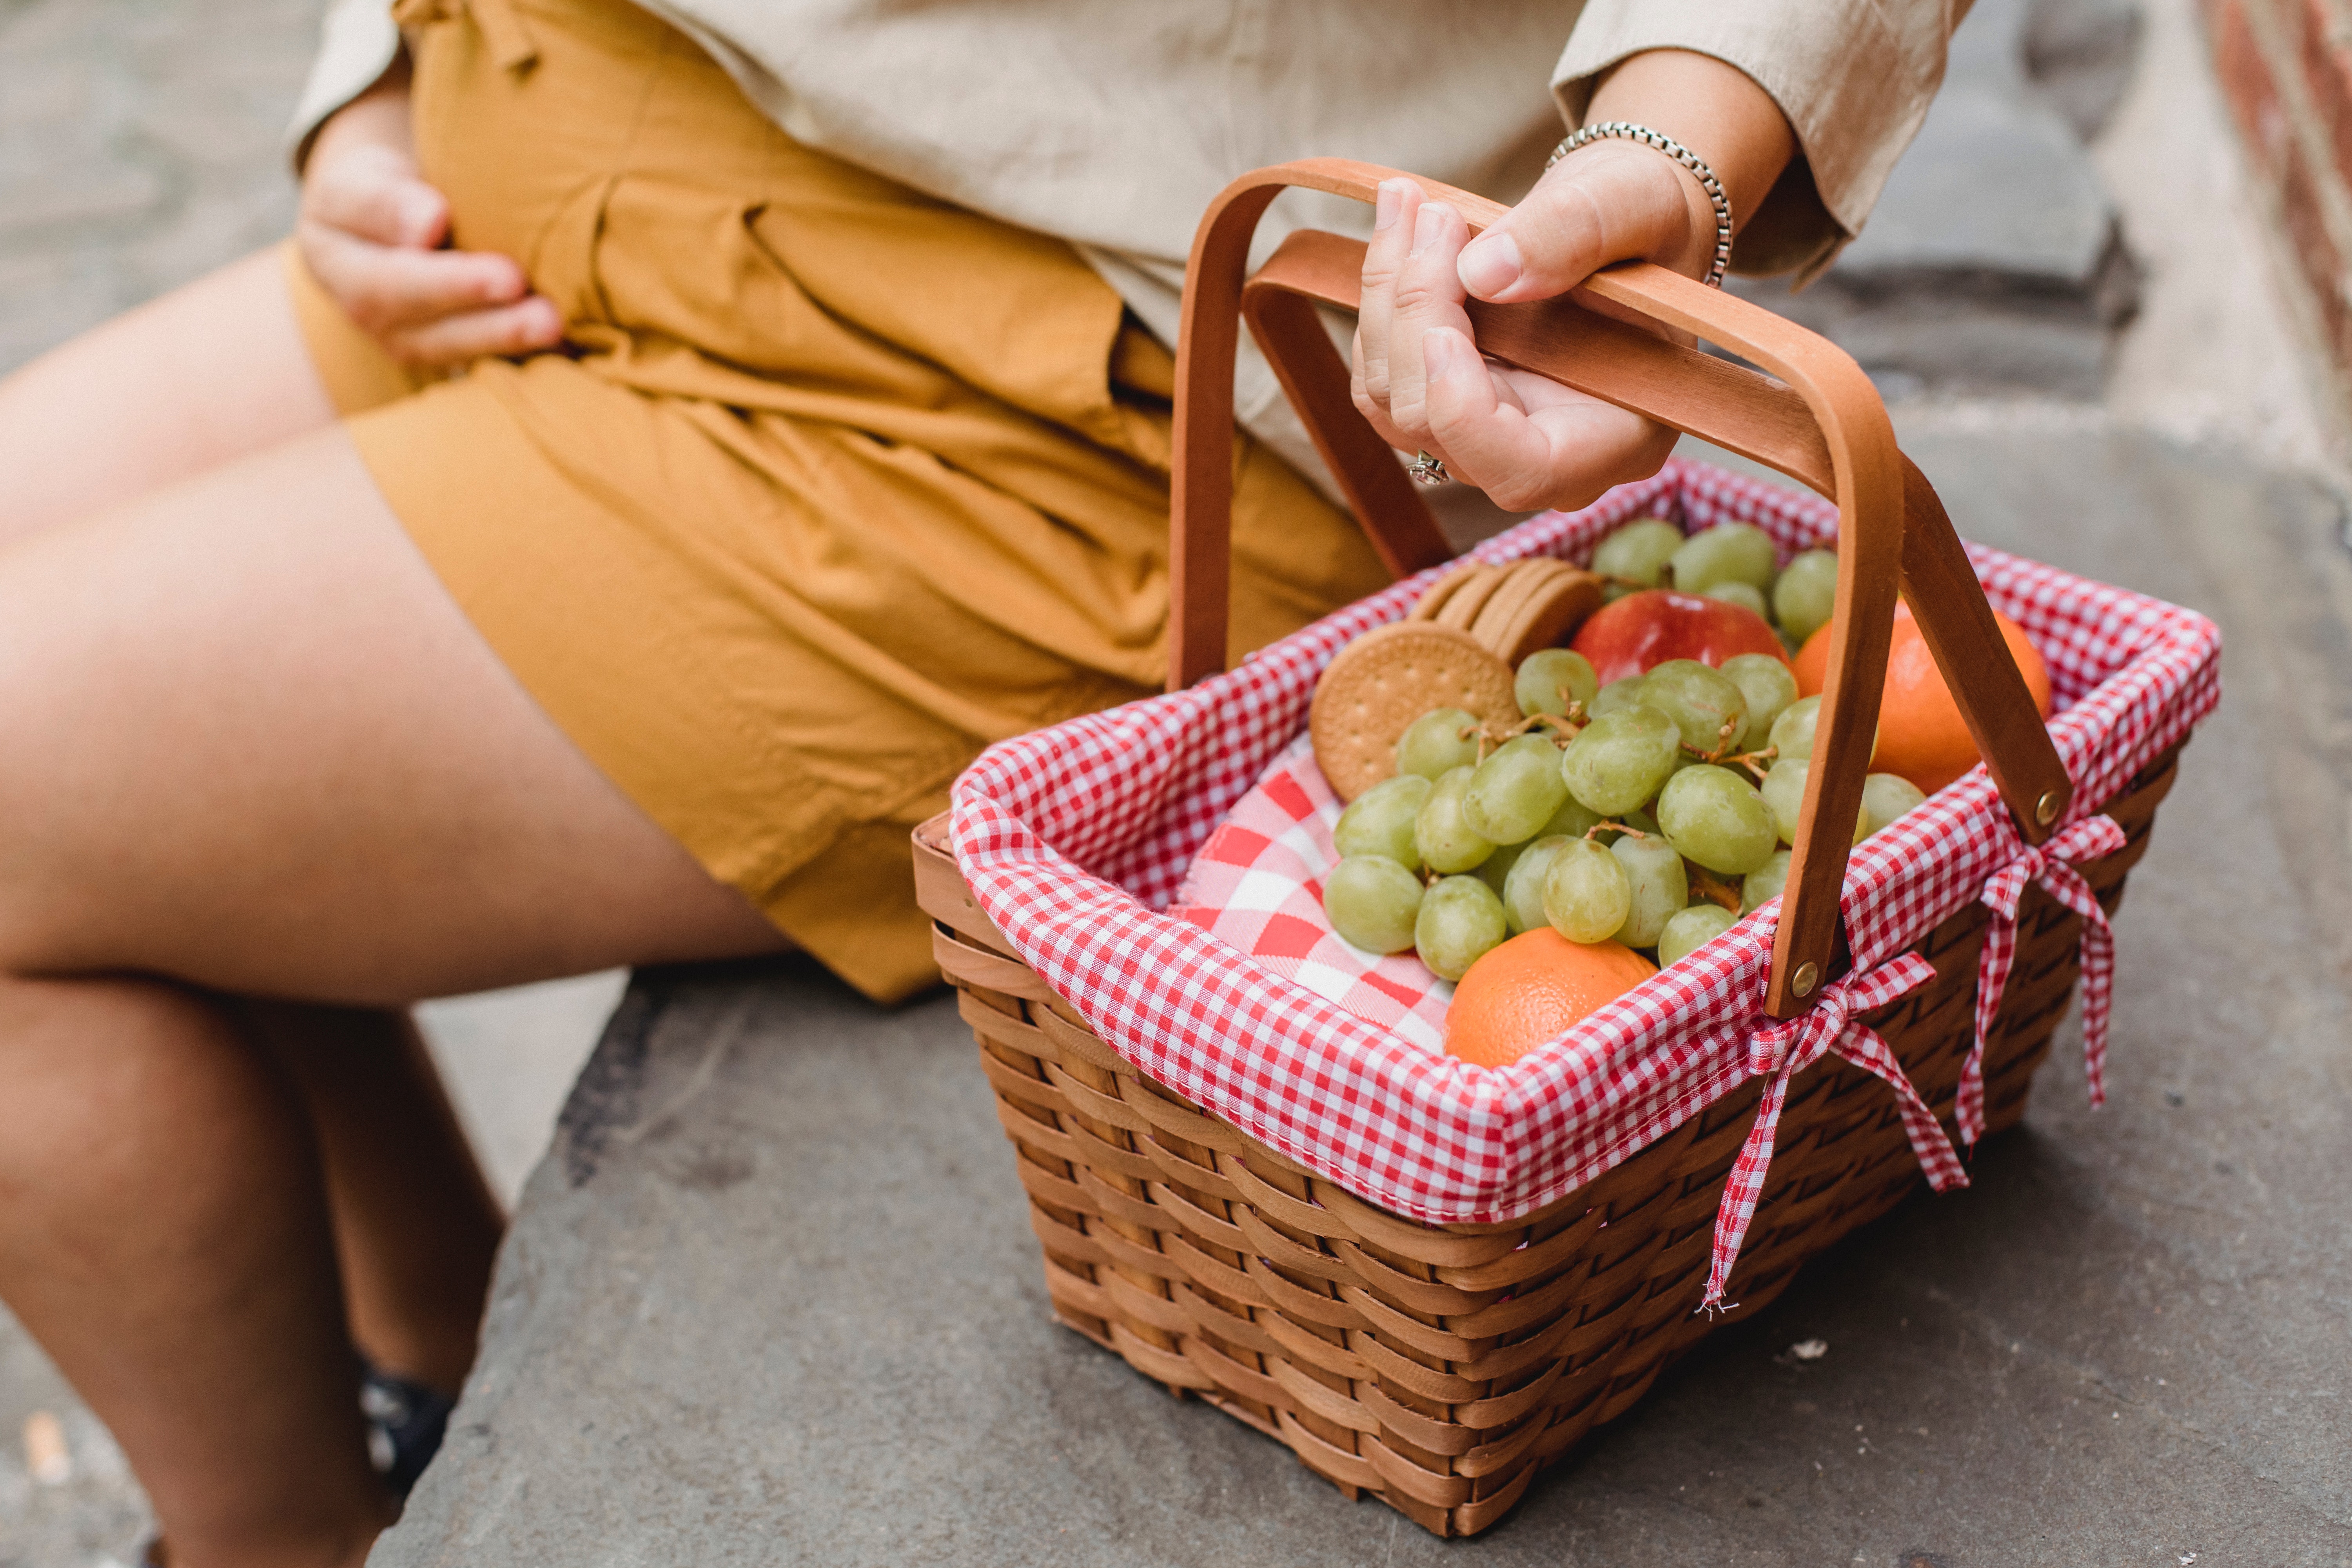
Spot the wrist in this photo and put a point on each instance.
(378, 116)
(1713, 108)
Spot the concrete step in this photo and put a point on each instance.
(1993, 260)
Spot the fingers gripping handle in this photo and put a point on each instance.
(1866, 477)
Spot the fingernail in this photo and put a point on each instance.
(1426, 225)
(1490, 265)
(1391, 203)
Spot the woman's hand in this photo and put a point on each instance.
(372, 233)
(1526, 441)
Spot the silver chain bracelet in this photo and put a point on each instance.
(1627, 131)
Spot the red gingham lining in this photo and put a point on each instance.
(1074, 839)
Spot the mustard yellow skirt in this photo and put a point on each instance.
(830, 485)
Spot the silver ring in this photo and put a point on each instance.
(1429, 471)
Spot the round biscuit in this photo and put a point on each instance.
(1524, 579)
(1461, 607)
(1385, 679)
(1427, 606)
(1550, 616)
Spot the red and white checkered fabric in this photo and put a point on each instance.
(2052, 865)
(1075, 841)
(1783, 1048)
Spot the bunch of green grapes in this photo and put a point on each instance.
(1654, 811)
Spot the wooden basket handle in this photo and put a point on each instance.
(1821, 423)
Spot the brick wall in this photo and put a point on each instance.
(2285, 66)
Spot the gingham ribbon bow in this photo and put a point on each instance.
(2052, 865)
(1785, 1049)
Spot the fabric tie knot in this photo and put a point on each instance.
(1781, 1050)
(2053, 866)
(511, 45)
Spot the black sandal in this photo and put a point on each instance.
(405, 1423)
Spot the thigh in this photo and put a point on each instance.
(249, 742)
(205, 374)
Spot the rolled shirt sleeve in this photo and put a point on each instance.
(358, 40)
(1853, 76)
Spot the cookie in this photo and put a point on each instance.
(1434, 597)
(1521, 580)
(1461, 606)
(1433, 602)
(1387, 678)
(1546, 617)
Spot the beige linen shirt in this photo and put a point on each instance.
(1112, 125)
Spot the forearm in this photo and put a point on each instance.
(1711, 107)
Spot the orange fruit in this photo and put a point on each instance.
(1530, 989)
(1920, 734)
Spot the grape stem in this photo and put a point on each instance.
(1703, 883)
(1567, 727)
(1614, 828)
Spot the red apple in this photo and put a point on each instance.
(1643, 630)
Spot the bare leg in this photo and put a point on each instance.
(252, 747)
(417, 1227)
(163, 1213)
(207, 374)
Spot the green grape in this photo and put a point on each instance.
(1885, 798)
(1638, 550)
(1716, 817)
(1727, 552)
(1372, 902)
(1792, 732)
(1704, 703)
(1768, 687)
(1523, 889)
(1587, 894)
(1623, 692)
(1494, 870)
(1784, 796)
(1572, 820)
(1661, 886)
(1764, 882)
(1380, 821)
(1806, 593)
(1691, 930)
(1621, 759)
(1747, 596)
(1515, 792)
(1552, 678)
(1437, 742)
(1460, 920)
(1448, 844)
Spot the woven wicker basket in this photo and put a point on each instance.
(1439, 1366)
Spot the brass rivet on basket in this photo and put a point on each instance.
(2045, 810)
(1801, 983)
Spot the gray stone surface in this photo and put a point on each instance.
(139, 148)
(772, 1298)
(1993, 259)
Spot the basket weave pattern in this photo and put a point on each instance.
(1440, 1367)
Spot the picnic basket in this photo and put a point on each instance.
(1429, 1280)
